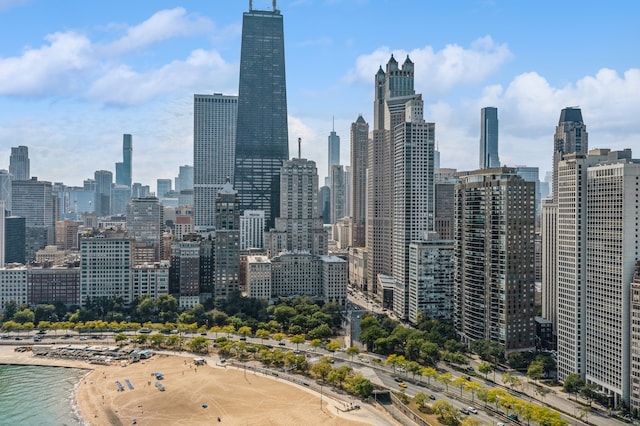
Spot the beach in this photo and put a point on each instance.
(196, 395)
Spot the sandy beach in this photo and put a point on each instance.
(196, 395)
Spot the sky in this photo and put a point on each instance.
(76, 75)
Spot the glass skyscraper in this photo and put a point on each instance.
(123, 169)
(262, 143)
(489, 158)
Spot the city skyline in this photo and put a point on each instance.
(72, 83)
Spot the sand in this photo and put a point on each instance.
(235, 396)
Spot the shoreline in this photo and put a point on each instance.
(236, 396)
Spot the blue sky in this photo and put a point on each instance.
(76, 75)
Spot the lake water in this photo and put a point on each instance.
(34, 396)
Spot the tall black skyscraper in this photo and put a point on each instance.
(262, 143)
(489, 158)
(123, 170)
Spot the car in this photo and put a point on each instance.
(397, 379)
(432, 397)
(499, 424)
(18, 338)
(464, 410)
(512, 417)
(402, 385)
(243, 339)
(83, 338)
(281, 343)
(296, 352)
(401, 369)
(472, 410)
(203, 334)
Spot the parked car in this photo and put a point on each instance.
(464, 411)
(472, 410)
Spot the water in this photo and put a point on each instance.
(38, 396)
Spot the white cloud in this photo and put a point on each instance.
(124, 86)
(49, 69)
(162, 25)
(438, 72)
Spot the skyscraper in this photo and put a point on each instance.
(393, 88)
(19, 163)
(33, 200)
(334, 151)
(338, 195)
(227, 242)
(214, 138)
(104, 181)
(145, 225)
(123, 169)
(262, 143)
(494, 258)
(184, 180)
(413, 196)
(571, 136)
(5, 189)
(300, 225)
(163, 186)
(489, 138)
(358, 180)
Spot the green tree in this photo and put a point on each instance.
(332, 346)
(315, 343)
(429, 373)
(121, 337)
(322, 331)
(572, 384)
(198, 344)
(244, 331)
(338, 375)
(485, 368)
(445, 379)
(262, 334)
(321, 369)
(297, 339)
(460, 382)
(157, 339)
(23, 316)
(360, 385)
(352, 351)
(420, 399)
(535, 371)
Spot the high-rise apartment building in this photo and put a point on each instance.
(145, 226)
(358, 180)
(334, 151)
(393, 88)
(67, 234)
(299, 228)
(2, 233)
(413, 196)
(489, 138)
(19, 165)
(227, 242)
(214, 138)
(494, 253)
(124, 169)
(105, 266)
(14, 239)
(262, 144)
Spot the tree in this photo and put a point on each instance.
(244, 331)
(473, 388)
(535, 371)
(589, 392)
(297, 339)
(359, 385)
(322, 331)
(420, 399)
(460, 382)
(321, 369)
(278, 336)
(485, 368)
(121, 337)
(394, 361)
(445, 379)
(262, 334)
(339, 375)
(198, 344)
(332, 346)
(352, 351)
(157, 339)
(174, 341)
(23, 316)
(315, 343)
(429, 372)
(572, 384)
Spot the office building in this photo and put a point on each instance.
(531, 174)
(258, 277)
(251, 229)
(33, 200)
(150, 280)
(634, 403)
(214, 138)
(2, 233)
(262, 144)
(163, 187)
(191, 272)
(5, 190)
(299, 228)
(413, 196)
(430, 279)
(489, 138)
(358, 180)
(124, 169)
(494, 259)
(19, 165)
(13, 285)
(57, 284)
(104, 182)
(145, 226)
(184, 180)
(14, 239)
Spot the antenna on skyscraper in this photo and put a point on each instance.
(250, 5)
(333, 124)
(299, 139)
(274, 5)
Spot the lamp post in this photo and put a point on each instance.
(320, 397)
